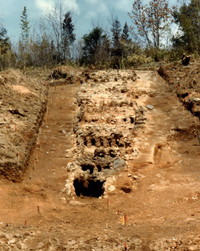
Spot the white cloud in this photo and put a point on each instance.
(124, 5)
(44, 5)
(48, 5)
(72, 5)
(99, 9)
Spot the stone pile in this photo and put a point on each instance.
(105, 130)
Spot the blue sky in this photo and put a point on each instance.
(86, 13)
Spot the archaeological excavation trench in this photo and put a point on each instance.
(114, 165)
(104, 126)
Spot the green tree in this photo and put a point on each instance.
(7, 57)
(116, 33)
(95, 48)
(4, 41)
(23, 46)
(150, 21)
(117, 46)
(125, 33)
(188, 19)
(68, 36)
(25, 28)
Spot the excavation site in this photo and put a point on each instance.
(100, 160)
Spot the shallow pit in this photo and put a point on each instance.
(88, 187)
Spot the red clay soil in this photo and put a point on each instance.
(160, 212)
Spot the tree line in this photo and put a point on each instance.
(149, 38)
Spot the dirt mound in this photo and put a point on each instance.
(23, 103)
(64, 75)
(185, 81)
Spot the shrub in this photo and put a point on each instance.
(137, 60)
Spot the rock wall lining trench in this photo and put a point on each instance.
(104, 130)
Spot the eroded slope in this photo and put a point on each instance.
(23, 103)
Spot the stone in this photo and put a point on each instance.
(118, 163)
(111, 188)
(150, 107)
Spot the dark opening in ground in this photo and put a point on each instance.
(106, 167)
(132, 120)
(93, 141)
(99, 153)
(89, 167)
(99, 168)
(112, 153)
(85, 141)
(88, 187)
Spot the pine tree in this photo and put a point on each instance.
(117, 46)
(125, 33)
(24, 56)
(188, 18)
(4, 41)
(25, 28)
(96, 47)
(68, 36)
(116, 33)
(7, 57)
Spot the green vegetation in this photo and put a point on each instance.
(7, 57)
(95, 48)
(188, 19)
(149, 39)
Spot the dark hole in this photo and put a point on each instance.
(106, 167)
(16, 112)
(119, 144)
(182, 95)
(101, 140)
(86, 167)
(89, 188)
(99, 168)
(85, 141)
(124, 119)
(116, 136)
(132, 120)
(110, 141)
(99, 153)
(127, 144)
(126, 189)
(112, 153)
(93, 141)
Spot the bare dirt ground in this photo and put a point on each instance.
(154, 203)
